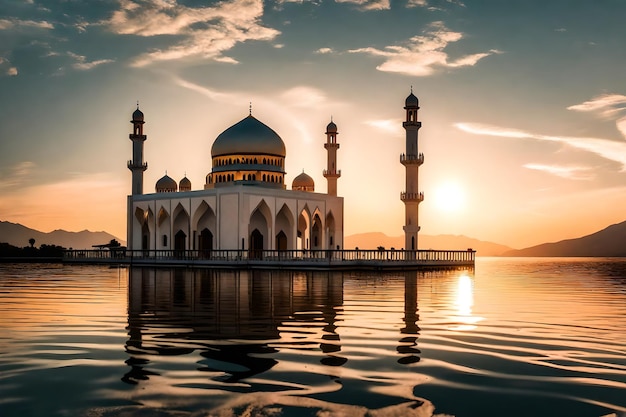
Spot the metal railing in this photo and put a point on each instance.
(328, 256)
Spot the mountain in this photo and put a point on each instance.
(18, 235)
(607, 242)
(376, 239)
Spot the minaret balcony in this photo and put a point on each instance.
(331, 145)
(140, 166)
(412, 159)
(332, 173)
(412, 197)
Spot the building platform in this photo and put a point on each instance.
(375, 259)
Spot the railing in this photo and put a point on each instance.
(419, 197)
(412, 159)
(331, 173)
(373, 256)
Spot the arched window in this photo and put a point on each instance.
(253, 177)
(255, 161)
(164, 241)
(263, 177)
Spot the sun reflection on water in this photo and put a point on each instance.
(464, 301)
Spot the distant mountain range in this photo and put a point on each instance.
(376, 239)
(607, 242)
(17, 235)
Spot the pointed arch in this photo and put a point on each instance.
(304, 228)
(285, 224)
(163, 226)
(181, 226)
(205, 223)
(331, 231)
(317, 229)
(261, 221)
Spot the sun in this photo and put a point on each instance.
(449, 197)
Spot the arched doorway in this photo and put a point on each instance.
(205, 243)
(281, 241)
(256, 245)
(179, 244)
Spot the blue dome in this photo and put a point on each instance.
(411, 101)
(137, 115)
(249, 136)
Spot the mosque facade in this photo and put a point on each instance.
(244, 203)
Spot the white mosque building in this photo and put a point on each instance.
(244, 203)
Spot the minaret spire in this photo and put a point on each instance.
(137, 166)
(412, 160)
(331, 172)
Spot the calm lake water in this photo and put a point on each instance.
(514, 337)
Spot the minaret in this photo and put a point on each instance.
(136, 165)
(412, 160)
(331, 173)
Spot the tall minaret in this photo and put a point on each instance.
(412, 161)
(136, 165)
(331, 145)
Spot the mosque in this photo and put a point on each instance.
(244, 203)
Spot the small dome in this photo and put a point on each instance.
(184, 184)
(411, 101)
(166, 185)
(137, 115)
(303, 182)
(331, 128)
(248, 136)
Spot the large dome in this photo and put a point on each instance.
(248, 136)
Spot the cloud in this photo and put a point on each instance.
(422, 55)
(303, 96)
(568, 172)
(387, 125)
(212, 94)
(82, 64)
(16, 175)
(13, 24)
(429, 6)
(201, 32)
(6, 68)
(608, 149)
(608, 106)
(368, 4)
(324, 51)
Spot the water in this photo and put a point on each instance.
(515, 337)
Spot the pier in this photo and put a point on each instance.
(372, 259)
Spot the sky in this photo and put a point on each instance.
(522, 104)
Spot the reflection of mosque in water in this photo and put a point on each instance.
(236, 319)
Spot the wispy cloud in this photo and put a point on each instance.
(208, 92)
(82, 64)
(16, 175)
(387, 125)
(430, 4)
(422, 55)
(368, 4)
(608, 106)
(608, 149)
(205, 32)
(568, 172)
(13, 24)
(304, 96)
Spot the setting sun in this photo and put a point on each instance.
(449, 197)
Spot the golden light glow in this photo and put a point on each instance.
(449, 197)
